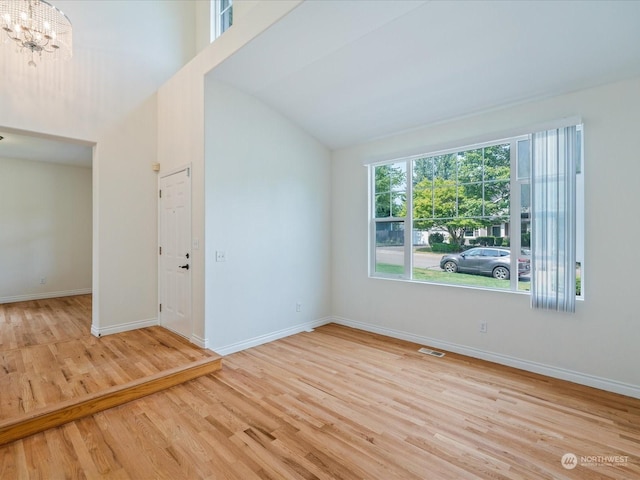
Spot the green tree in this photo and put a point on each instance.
(462, 191)
(390, 189)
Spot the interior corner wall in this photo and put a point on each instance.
(181, 128)
(45, 213)
(598, 345)
(126, 223)
(267, 204)
(105, 96)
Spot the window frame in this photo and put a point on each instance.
(217, 13)
(516, 184)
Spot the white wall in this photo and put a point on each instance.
(267, 207)
(181, 126)
(598, 345)
(106, 95)
(123, 50)
(203, 24)
(125, 278)
(204, 11)
(45, 230)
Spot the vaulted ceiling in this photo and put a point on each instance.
(123, 51)
(349, 71)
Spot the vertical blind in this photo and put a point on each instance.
(553, 219)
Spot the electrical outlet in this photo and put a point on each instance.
(298, 306)
(43, 280)
(483, 326)
(221, 256)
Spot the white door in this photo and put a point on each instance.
(175, 252)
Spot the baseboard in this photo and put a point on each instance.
(42, 296)
(199, 341)
(151, 322)
(270, 337)
(123, 327)
(547, 370)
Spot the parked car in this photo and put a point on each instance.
(492, 261)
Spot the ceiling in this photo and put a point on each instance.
(348, 71)
(354, 70)
(23, 146)
(123, 51)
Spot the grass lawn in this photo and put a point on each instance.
(435, 276)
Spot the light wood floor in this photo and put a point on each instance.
(338, 403)
(41, 322)
(47, 354)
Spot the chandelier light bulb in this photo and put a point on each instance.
(36, 27)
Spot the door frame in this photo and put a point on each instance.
(161, 176)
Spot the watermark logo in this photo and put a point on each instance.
(569, 461)
(604, 460)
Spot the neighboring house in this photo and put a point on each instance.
(421, 237)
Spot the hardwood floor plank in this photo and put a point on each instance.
(54, 371)
(57, 358)
(82, 406)
(338, 403)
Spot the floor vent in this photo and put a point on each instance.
(431, 352)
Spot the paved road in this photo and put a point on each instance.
(395, 256)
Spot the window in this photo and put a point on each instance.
(390, 205)
(433, 214)
(225, 15)
(221, 17)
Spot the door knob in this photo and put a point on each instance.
(186, 267)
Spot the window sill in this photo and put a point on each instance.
(472, 287)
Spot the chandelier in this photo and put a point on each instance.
(37, 27)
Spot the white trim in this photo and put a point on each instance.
(199, 341)
(216, 18)
(41, 296)
(491, 138)
(515, 215)
(270, 337)
(529, 366)
(124, 327)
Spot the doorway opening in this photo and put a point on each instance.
(46, 211)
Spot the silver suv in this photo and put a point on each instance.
(494, 261)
